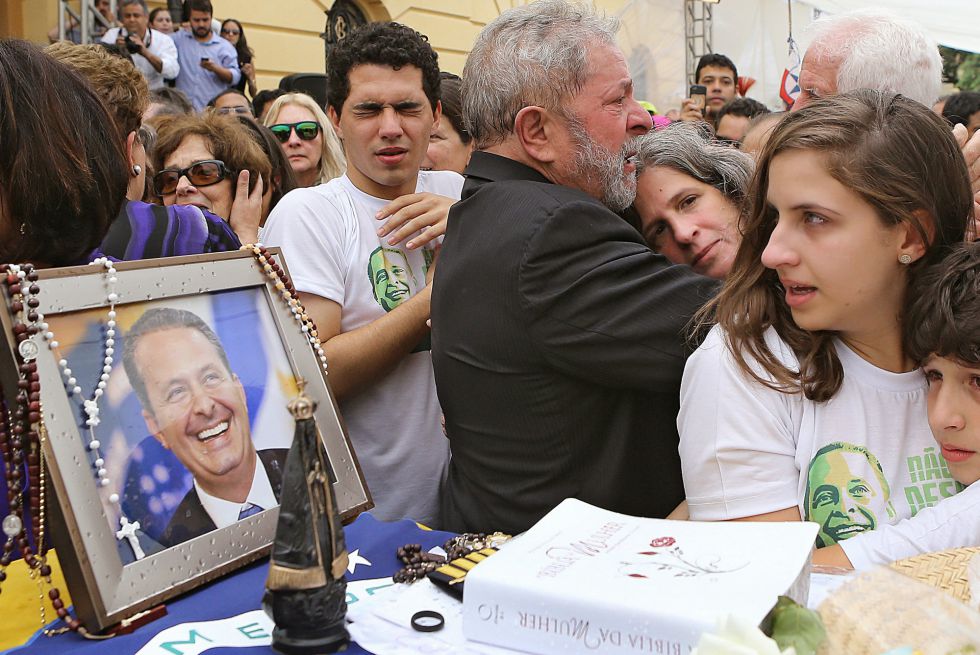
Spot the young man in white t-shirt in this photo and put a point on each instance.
(363, 285)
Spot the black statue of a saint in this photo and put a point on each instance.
(306, 594)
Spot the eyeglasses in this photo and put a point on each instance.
(231, 32)
(233, 110)
(200, 173)
(306, 130)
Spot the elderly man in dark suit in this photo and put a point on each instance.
(194, 404)
(559, 338)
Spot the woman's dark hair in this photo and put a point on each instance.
(451, 95)
(898, 157)
(283, 179)
(63, 172)
(245, 54)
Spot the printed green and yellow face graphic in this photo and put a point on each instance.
(391, 277)
(847, 492)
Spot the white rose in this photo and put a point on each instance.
(736, 636)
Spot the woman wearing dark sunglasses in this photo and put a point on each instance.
(198, 159)
(313, 152)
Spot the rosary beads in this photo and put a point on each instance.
(21, 437)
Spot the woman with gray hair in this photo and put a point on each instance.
(690, 193)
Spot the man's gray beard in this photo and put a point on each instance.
(594, 165)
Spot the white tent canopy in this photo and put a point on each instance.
(953, 23)
(753, 33)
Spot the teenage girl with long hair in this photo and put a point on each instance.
(802, 402)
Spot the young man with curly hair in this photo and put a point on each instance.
(364, 286)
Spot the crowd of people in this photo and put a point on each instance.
(526, 293)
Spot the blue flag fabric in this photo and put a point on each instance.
(240, 592)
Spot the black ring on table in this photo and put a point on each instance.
(428, 614)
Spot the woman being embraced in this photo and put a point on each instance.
(691, 192)
(802, 402)
(208, 160)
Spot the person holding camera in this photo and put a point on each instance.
(153, 52)
(208, 63)
(716, 83)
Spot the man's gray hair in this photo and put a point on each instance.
(536, 55)
(689, 148)
(878, 50)
(125, 3)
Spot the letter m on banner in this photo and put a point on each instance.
(192, 637)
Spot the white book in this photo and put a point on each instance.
(586, 580)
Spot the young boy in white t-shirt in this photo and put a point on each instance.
(945, 337)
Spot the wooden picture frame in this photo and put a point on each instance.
(265, 353)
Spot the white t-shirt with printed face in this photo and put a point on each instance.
(329, 240)
(863, 459)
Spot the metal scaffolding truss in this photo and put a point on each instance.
(69, 19)
(697, 33)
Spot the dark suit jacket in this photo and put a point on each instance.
(191, 519)
(558, 343)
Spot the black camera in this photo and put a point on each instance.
(131, 45)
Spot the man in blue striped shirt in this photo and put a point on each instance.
(208, 63)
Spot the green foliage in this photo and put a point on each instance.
(796, 626)
(961, 68)
(968, 74)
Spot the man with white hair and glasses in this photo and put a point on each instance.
(558, 336)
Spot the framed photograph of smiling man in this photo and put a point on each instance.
(164, 391)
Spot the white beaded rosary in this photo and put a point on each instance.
(91, 405)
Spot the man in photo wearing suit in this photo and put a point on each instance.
(558, 337)
(194, 404)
